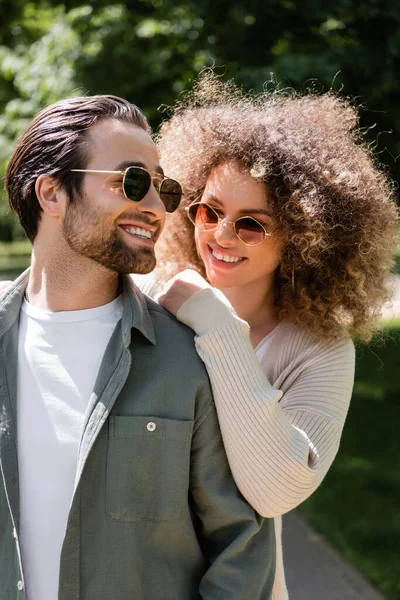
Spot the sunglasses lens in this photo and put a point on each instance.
(137, 183)
(202, 216)
(170, 194)
(249, 231)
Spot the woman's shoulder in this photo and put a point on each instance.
(301, 339)
(295, 349)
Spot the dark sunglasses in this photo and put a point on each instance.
(136, 183)
(205, 218)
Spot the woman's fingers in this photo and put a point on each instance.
(179, 289)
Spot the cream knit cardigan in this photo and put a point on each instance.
(281, 420)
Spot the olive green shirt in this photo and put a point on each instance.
(155, 513)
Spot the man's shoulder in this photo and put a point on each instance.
(176, 341)
(178, 361)
(164, 321)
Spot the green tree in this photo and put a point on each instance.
(148, 51)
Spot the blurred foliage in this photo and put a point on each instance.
(150, 50)
(14, 258)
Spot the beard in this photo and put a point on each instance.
(86, 233)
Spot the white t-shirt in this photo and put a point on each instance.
(59, 356)
(263, 346)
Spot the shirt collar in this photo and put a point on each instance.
(135, 312)
(11, 300)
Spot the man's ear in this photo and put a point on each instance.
(51, 196)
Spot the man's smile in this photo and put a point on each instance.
(138, 231)
(143, 231)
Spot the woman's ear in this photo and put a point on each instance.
(51, 196)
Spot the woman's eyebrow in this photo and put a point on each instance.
(213, 198)
(245, 211)
(256, 211)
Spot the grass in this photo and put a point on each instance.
(357, 507)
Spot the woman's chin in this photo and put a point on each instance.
(220, 280)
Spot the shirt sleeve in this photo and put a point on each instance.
(280, 443)
(238, 544)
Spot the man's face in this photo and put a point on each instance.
(102, 224)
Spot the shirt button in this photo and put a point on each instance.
(151, 426)
(20, 585)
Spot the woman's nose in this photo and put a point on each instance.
(224, 233)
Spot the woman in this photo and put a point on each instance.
(286, 213)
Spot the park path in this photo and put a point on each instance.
(314, 570)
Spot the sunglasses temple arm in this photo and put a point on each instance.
(95, 171)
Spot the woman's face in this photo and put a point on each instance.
(233, 194)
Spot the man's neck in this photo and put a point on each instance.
(76, 283)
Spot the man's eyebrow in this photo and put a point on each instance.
(245, 211)
(124, 165)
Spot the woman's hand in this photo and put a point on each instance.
(179, 289)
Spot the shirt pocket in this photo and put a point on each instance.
(148, 461)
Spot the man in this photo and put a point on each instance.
(114, 483)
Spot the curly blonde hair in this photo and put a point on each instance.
(332, 202)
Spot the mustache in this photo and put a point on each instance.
(140, 218)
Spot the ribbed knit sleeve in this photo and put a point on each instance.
(150, 284)
(281, 434)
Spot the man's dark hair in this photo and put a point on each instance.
(53, 144)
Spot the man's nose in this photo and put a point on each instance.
(152, 204)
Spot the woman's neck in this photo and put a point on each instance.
(256, 307)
